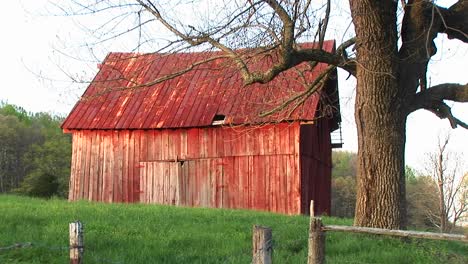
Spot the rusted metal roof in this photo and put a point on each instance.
(129, 92)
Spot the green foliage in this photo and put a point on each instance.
(410, 175)
(344, 164)
(137, 233)
(16, 111)
(12, 147)
(343, 183)
(34, 153)
(39, 184)
(421, 199)
(50, 168)
(343, 196)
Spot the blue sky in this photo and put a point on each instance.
(32, 71)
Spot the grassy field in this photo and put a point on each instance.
(122, 233)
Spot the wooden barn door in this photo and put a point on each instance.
(198, 183)
(202, 183)
(160, 182)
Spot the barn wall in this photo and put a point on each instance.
(241, 167)
(105, 166)
(315, 156)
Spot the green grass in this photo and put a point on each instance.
(122, 233)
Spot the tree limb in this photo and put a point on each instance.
(446, 91)
(339, 58)
(455, 20)
(433, 100)
(288, 26)
(422, 21)
(289, 55)
(302, 96)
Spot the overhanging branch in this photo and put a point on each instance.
(432, 99)
(339, 58)
(422, 22)
(300, 97)
(455, 20)
(289, 54)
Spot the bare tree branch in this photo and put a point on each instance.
(302, 96)
(446, 91)
(454, 20)
(443, 111)
(422, 21)
(288, 26)
(444, 169)
(339, 59)
(433, 98)
(288, 56)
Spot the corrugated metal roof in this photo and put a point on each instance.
(117, 98)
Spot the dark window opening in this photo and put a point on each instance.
(218, 119)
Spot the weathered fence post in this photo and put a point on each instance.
(316, 242)
(316, 239)
(262, 245)
(76, 243)
(311, 209)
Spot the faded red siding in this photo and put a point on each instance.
(239, 167)
(315, 156)
(228, 182)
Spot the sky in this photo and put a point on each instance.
(36, 76)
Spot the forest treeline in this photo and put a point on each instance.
(34, 153)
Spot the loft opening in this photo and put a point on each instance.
(218, 120)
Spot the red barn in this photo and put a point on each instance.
(165, 129)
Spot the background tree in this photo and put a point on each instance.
(14, 142)
(445, 169)
(49, 171)
(34, 153)
(463, 200)
(343, 183)
(388, 73)
(421, 196)
(9, 138)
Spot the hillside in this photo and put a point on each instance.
(123, 233)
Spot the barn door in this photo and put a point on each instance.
(160, 182)
(202, 183)
(198, 183)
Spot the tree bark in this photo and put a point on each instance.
(380, 118)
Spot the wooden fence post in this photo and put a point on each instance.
(311, 209)
(262, 245)
(76, 243)
(316, 242)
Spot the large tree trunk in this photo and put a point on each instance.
(380, 191)
(380, 117)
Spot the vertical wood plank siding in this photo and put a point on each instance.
(315, 158)
(242, 167)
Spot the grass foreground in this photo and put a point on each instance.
(137, 233)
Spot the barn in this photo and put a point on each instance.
(181, 129)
